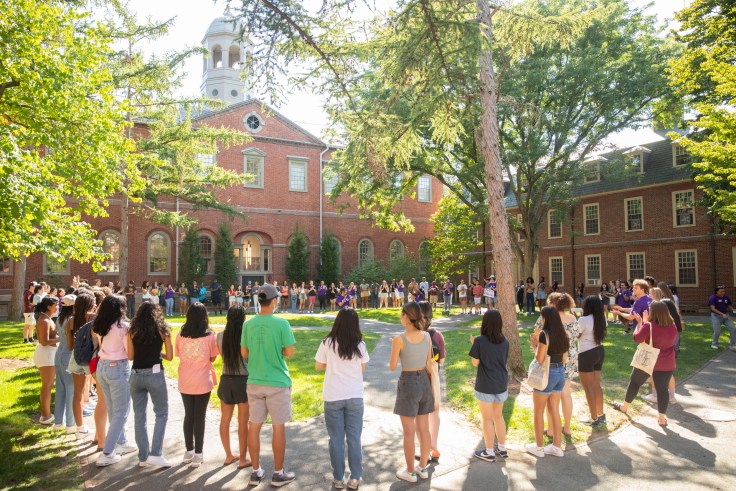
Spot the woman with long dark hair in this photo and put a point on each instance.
(84, 307)
(490, 352)
(113, 374)
(343, 355)
(148, 334)
(552, 341)
(233, 386)
(43, 356)
(669, 301)
(64, 388)
(196, 346)
(439, 353)
(591, 356)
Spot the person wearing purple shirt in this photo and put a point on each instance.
(719, 303)
(447, 290)
(322, 295)
(342, 300)
(641, 304)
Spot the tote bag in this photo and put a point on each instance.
(539, 372)
(433, 372)
(646, 355)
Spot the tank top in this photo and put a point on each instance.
(147, 355)
(413, 356)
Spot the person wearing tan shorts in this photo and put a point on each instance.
(265, 400)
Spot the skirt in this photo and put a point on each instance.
(44, 356)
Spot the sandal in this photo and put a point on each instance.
(662, 424)
(618, 406)
(248, 463)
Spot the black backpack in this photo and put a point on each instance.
(435, 347)
(84, 348)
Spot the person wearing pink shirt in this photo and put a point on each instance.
(196, 348)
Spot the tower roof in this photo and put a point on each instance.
(226, 25)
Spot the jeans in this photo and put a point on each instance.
(448, 302)
(195, 411)
(193, 300)
(344, 420)
(717, 322)
(292, 298)
(169, 307)
(661, 383)
(322, 299)
(64, 387)
(131, 309)
(143, 382)
(374, 300)
(530, 303)
(113, 376)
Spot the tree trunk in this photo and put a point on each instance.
(124, 241)
(530, 259)
(498, 220)
(15, 309)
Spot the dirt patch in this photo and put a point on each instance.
(13, 364)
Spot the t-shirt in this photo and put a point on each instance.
(492, 376)
(640, 306)
(195, 368)
(447, 289)
(364, 289)
(114, 345)
(621, 298)
(130, 294)
(265, 336)
(462, 290)
(586, 341)
(342, 301)
(424, 285)
(721, 304)
(477, 291)
(343, 378)
(434, 291)
(27, 305)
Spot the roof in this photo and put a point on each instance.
(658, 169)
(227, 25)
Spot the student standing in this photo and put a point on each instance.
(43, 356)
(462, 295)
(530, 296)
(438, 354)
(28, 317)
(147, 336)
(216, 290)
(641, 304)
(265, 343)
(489, 353)
(322, 296)
(130, 298)
(520, 296)
(183, 295)
(84, 308)
(343, 355)
(719, 303)
(64, 404)
(591, 355)
(196, 347)
(477, 296)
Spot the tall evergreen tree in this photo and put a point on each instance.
(190, 260)
(226, 271)
(297, 260)
(329, 259)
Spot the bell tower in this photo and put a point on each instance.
(223, 67)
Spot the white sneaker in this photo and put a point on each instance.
(46, 421)
(407, 476)
(197, 460)
(188, 456)
(90, 404)
(70, 430)
(84, 429)
(58, 426)
(423, 473)
(125, 448)
(552, 450)
(713, 346)
(533, 449)
(650, 397)
(105, 460)
(157, 461)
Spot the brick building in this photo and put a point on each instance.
(636, 224)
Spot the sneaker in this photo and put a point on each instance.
(84, 429)
(353, 483)
(282, 478)
(500, 453)
(91, 404)
(125, 448)
(483, 455)
(157, 461)
(46, 421)
(423, 473)
(713, 346)
(552, 450)
(70, 430)
(533, 449)
(87, 411)
(650, 397)
(197, 460)
(188, 456)
(58, 426)
(105, 460)
(256, 477)
(338, 483)
(407, 476)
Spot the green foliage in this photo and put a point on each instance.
(704, 75)
(329, 255)
(60, 136)
(190, 261)
(226, 271)
(456, 228)
(297, 259)
(373, 272)
(404, 267)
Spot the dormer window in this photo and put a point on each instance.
(592, 169)
(680, 156)
(635, 158)
(253, 122)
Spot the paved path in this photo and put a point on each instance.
(690, 452)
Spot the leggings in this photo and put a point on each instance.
(661, 383)
(195, 410)
(322, 302)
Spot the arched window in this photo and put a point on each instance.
(216, 56)
(234, 57)
(365, 251)
(206, 254)
(395, 250)
(159, 253)
(256, 256)
(111, 246)
(425, 257)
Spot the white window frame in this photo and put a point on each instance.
(587, 167)
(585, 218)
(550, 214)
(600, 270)
(626, 214)
(562, 270)
(260, 127)
(677, 268)
(402, 251)
(675, 147)
(628, 264)
(105, 272)
(54, 273)
(258, 157)
(207, 159)
(211, 261)
(10, 266)
(428, 180)
(370, 256)
(640, 156)
(329, 178)
(674, 207)
(295, 162)
(148, 254)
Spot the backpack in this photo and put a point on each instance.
(435, 346)
(84, 348)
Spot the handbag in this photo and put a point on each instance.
(539, 372)
(433, 372)
(646, 355)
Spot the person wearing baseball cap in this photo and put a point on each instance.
(63, 410)
(265, 343)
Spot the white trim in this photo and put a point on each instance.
(626, 214)
(585, 218)
(390, 246)
(205, 233)
(59, 273)
(600, 270)
(677, 268)
(148, 254)
(260, 127)
(674, 207)
(299, 161)
(429, 188)
(549, 225)
(258, 160)
(597, 171)
(104, 272)
(628, 264)
(371, 252)
(675, 147)
(562, 264)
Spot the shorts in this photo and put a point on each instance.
(476, 300)
(29, 319)
(433, 299)
(383, 295)
(556, 381)
(542, 295)
(76, 369)
(365, 294)
(44, 356)
(399, 294)
(492, 397)
(414, 394)
(233, 389)
(265, 400)
(591, 360)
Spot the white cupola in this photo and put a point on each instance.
(222, 74)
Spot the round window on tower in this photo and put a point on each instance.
(234, 93)
(253, 122)
(215, 92)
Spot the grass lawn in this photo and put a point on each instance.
(460, 376)
(33, 455)
(475, 320)
(391, 314)
(296, 320)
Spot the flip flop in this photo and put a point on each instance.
(248, 463)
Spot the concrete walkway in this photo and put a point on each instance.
(690, 452)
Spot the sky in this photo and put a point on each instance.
(193, 17)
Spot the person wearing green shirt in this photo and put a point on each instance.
(265, 343)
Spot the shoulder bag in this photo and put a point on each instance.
(539, 372)
(433, 372)
(646, 355)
